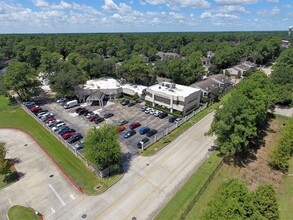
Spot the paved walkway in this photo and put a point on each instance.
(149, 183)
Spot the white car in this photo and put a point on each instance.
(45, 116)
(61, 100)
(58, 126)
(41, 114)
(157, 113)
(152, 112)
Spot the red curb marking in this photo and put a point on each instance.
(12, 164)
(70, 180)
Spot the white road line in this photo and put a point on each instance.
(57, 195)
(72, 197)
(53, 210)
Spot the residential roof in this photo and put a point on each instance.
(207, 84)
(173, 89)
(167, 54)
(221, 78)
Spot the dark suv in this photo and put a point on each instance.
(163, 115)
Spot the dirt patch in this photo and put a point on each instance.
(257, 172)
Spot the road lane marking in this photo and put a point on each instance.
(72, 197)
(53, 210)
(57, 195)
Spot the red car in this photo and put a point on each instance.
(36, 108)
(134, 125)
(121, 128)
(49, 119)
(92, 118)
(68, 135)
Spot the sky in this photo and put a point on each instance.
(103, 16)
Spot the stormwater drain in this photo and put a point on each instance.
(133, 218)
(25, 145)
(147, 164)
(84, 216)
(51, 176)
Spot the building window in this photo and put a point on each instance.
(149, 94)
(193, 99)
(162, 99)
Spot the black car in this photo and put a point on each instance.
(151, 132)
(142, 142)
(86, 112)
(82, 111)
(64, 131)
(125, 102)
(131, 104)
(108, 115)
(78, 109)
(99, 120)
(129, 133)
(163, 115)
(172, 119)
(74, 138)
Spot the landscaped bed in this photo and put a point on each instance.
(18, 212)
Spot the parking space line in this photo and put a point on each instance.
(57, 195)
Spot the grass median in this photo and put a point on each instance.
(18, 212)
(12, 116)
(178, 204)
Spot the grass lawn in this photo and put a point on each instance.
(15, 117)
(18, 212)
(285, 197)
(177, 205)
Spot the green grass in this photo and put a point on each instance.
(15, 117)
(18, 212)
(177, 205)
(285, 197)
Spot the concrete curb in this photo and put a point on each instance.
(48, 155)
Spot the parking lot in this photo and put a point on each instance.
(132, 114)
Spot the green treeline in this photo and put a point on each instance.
(133, 56)
(234, 201)
(282, 153)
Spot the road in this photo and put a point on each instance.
(149, 183)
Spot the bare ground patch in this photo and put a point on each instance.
(256, 171)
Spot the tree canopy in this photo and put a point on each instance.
(101, 147)
(4, 163)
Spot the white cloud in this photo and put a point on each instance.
(233, 9)
(182, 3)
(236, 2)
(112, 7)
(265, 12)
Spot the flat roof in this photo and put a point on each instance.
(135, 88)
(102, 83)
(179, 90)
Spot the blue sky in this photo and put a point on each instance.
(95, 16)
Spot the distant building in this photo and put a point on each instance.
(285, 43)
(206, 61)
(163, 55)
(240, 69)
(213, 82)
(176, 98)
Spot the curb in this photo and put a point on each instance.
(48, 155)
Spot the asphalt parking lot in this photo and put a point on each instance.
(132, 114)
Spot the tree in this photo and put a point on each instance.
(101, 147)
(22, 79)
(265, 203)
(64, 77)
(49, 61)
(233, 201)
(4, 163)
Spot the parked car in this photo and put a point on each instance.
(134, 125)
(143, 108)
(40, 114)
(86, 112)
(74, 138)
(99, 120)
(35, 109)
(78, 109)
(53, 123)
(28, 103)
(121, 128)
(144, 130)
(61, 100)
(148, 110)
(153, 111)
(57, 126)
(142, 142)
(79, 144)
(157, 113)
(163, 115)
(49, 119)
(123, 122)
(71, 104)
(172, 119)
(129, 133)
(124, 102)
(151, 132)
(93, 117)
(90, 114)
(130, 104)
(60, 128)
(68, 135)
(66, 130)
(178, 119)
(108, 115)
(82, 111)
(47, 115)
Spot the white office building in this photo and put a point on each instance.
(176, 98)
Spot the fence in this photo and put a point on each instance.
(202, 189)
(101, 173)
(161, 134)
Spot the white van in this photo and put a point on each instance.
(71, 104)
